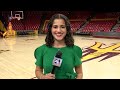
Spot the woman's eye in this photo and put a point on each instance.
(63, 26)
(54, 26)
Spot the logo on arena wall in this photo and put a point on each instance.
(100, 50)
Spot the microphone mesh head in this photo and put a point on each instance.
(59, 54)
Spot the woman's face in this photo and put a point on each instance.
(59, 29)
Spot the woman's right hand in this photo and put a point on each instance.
(48, 76)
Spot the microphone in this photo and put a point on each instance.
(57, 61)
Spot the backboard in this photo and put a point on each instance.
(17, 14)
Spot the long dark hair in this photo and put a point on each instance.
(69, 41)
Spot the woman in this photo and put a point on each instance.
(59, 38)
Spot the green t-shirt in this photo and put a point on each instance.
(71, 57)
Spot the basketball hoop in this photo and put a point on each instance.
(17, 15)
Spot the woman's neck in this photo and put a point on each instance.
(59, 44)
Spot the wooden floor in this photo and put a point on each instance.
(101, 57)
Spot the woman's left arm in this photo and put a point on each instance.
(79, 72)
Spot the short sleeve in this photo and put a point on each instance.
(78, 55)
(38, 54)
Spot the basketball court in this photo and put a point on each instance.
(101, 57)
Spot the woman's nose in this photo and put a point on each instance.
(59, 29)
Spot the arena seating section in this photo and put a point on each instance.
(82, 22)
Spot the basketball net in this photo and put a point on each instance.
(18, 18)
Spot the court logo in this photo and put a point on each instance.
(1, 51)
(100, 50)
